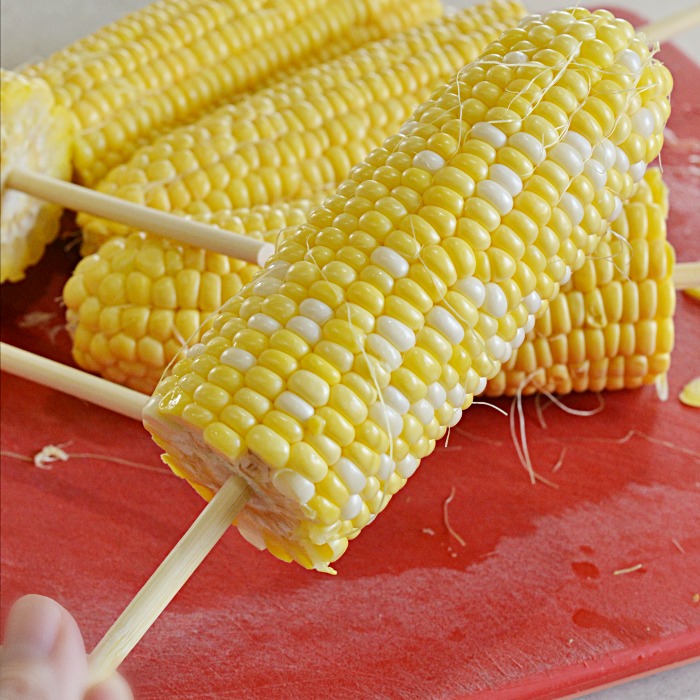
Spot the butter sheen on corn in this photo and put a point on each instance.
(332, 374)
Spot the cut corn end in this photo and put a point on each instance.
(35, 134)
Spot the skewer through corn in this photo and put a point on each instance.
(332, 374)
(102, 96)
(611, 326)
(302, 134)
(132, 306)
(273, 120)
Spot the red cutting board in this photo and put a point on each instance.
(529, 607)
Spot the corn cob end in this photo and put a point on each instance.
(36, 134)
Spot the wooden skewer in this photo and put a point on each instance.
(187, 554)
(168, 578)
(142, 218)
(686, 275)
(675, 24)
(72, 381)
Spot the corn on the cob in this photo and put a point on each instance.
(611, 325)
(132, 306)
(164, 64)
(329, 377)
(270, 110)
(306, 133)
(35, 133)
(398, 18)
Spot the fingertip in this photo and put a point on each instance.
(33, 625)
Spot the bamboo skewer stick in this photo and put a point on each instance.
(72, 381)
(168, 578)
(161, 223)
(686, 275)
(668, 27)
(189, 552)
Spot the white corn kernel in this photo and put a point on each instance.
(423, 411)
(622, 162)
(568, 157)
(429, 160)
(515, 57)
(580, 143)
(266, 286)
(242, 360)
(295, 406)
(529, 146)
(496, 195)
(456, 417)
(506, 178)
(444, 322)
(386, 467)
(519, 338)
(196, 350)
(596, 173)
(389, 356)
(309, 330)
(643, 122)
(293, 485)
(473, 289)
(605, 153)
(406, 468)
(484, 131)
(396, 399)
(533, 302)
(352, 507)
(389, 260)
(495, 302)
(630, 60)
(457, 396)
(436, 395)
(397, 333)
(572, 207)
(316, 310)
(386, 418)
(350, 474)
(264, 323)
(637, 170)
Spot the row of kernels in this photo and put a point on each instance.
(352, 116)
(230, 75)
